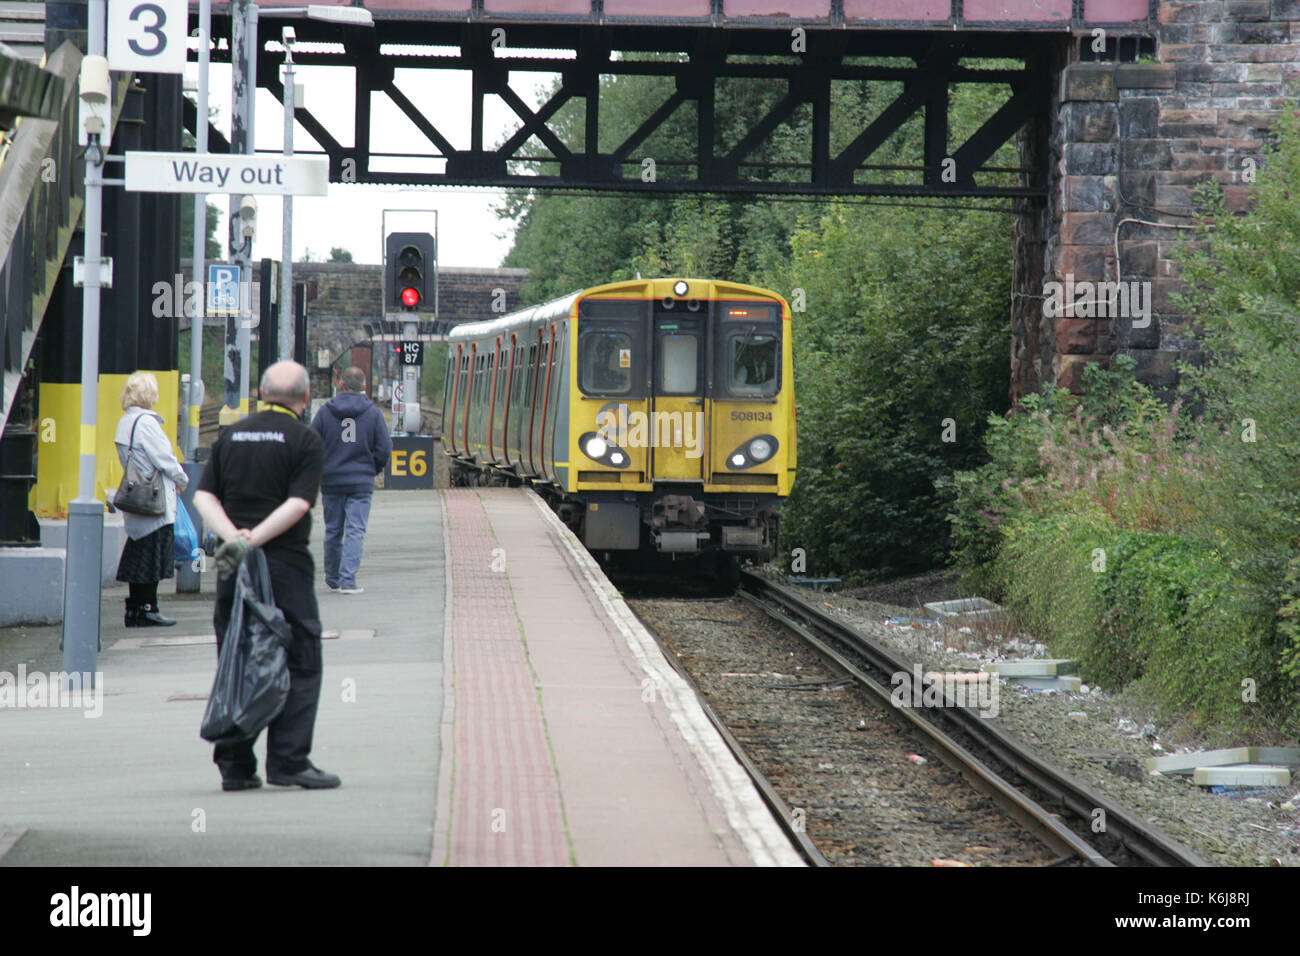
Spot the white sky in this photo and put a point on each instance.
(350, 216)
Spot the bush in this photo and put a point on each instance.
(882, 363)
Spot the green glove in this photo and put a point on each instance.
(230, 554)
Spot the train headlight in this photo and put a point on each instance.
(680, 287)
(601, 448)
(753, 452)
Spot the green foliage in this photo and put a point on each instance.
(1245, 288)
(1198, 520)
(1162, 612)
(339, 254)
(887, 367)
(212, 249)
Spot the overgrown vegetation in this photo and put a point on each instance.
(1158, 548)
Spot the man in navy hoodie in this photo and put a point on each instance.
(357, 447)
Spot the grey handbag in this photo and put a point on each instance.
(137, 494)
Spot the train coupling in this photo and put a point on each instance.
(679, 524)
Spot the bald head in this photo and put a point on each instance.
(288, 384)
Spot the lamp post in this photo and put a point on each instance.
(285, 329)
(199, 247)
(81, 587)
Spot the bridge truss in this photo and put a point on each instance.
(916, 72)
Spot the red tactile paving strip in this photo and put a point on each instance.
(505, 804)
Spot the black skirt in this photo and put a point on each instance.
(148, 559)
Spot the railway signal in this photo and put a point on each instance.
(409, 259)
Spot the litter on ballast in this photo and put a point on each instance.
(917, 622)
(963, 610)
(916, 759)
(817, 584)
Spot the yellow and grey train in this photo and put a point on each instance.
(654, 415)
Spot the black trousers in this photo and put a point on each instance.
(288, 737)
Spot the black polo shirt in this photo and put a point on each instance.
(261, 461)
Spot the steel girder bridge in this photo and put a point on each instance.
(915, 66)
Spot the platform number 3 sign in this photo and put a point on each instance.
(147, 36)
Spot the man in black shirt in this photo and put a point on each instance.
(258, 490)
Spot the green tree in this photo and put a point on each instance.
(339, 254)
(212, 249)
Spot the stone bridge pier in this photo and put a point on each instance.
(1125, 145)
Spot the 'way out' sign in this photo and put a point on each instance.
(220, 173)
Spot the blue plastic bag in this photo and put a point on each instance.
(185, 539)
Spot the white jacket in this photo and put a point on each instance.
(152, 451)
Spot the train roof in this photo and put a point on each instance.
(562, 307)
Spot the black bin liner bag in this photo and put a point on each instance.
(252, 681)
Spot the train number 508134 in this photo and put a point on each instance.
(751, 416)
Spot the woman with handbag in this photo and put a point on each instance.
(147, 500)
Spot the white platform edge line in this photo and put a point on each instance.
(447, 722)
(745, 810)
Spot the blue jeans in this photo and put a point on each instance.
(345, 536)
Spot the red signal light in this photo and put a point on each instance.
(410, 297)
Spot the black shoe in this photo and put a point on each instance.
(312, 778)
(134, 617)
(241, 783)
(149, 617)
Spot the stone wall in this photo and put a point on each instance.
(343, 297)
(1128, 145)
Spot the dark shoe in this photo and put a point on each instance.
(312, 778)
(241, 783)
(149, 617)
(134, 617)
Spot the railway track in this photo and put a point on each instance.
(1054, 806)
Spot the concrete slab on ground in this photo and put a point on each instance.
(1188, 762)
(1045, 667)
(1242, 775)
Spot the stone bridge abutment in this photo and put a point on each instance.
(1125, 146)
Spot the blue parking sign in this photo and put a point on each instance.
(223, 290)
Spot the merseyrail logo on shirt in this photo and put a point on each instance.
(257, 436)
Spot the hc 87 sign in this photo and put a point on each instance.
(410, 466)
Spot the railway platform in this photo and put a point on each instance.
(488, 700)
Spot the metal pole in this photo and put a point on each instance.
(199, 247)
(85, 544)
(238, 144)
(251, 47)
(187, 575)
(285, 345)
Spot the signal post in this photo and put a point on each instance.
(410, 292)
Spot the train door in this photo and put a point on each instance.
(675, 431)
(449, 404)
(511, 387)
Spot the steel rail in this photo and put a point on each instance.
(784, 818)
(1011, 759)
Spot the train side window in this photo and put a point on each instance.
(753, 359)
(605, 363)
